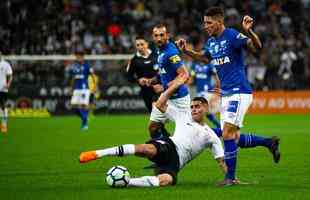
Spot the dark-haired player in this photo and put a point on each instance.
(224, 49)
(170, 154)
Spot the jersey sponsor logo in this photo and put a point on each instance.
(175, 59)
(147, 62)
(221, 61)
(162, 71)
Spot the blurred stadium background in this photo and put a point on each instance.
(106, 27)
(38, 38)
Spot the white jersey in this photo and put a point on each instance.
(191, 138)
(5, 70)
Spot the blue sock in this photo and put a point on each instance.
(231, 151)
(250, 140)
(84, 114)
(213, 119)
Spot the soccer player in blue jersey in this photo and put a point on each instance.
(170, 67)
(201, 75)
(81, 93)
(224, 49)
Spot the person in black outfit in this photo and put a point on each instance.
(140, 68)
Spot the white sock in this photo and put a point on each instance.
(144, 181)
(123, 150)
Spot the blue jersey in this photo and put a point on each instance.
(203, 74)
(80, 73)
(226, 52)
(168, 62)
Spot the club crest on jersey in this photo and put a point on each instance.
(175, 59)
(221, 61)
(162, 71)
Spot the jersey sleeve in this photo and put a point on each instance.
(130, 71)
(238, 40)
(9, 70)
(172, 112)
(174, 59)
(216, 147)
(206, 52)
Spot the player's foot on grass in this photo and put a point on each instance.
(84, 128)
(274, 149)
(226, 182)
(87, 156)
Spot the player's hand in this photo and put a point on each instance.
(181, 43)
(158, 88)
(247, 23)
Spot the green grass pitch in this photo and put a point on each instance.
(39, 160)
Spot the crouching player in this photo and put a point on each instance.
(171, 154)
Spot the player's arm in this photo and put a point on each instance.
(9, 80)
(182, 75)
(161, 103)
(218, 153)
(9, 76)
(196, 55)
(130, 72)
(217, 85)
(253, 43)
(221, 163)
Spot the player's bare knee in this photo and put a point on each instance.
(165, 179)
(145, 150)
(230, 131)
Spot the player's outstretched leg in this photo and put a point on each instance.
(151, 181)
(141, 150)
(251, 140)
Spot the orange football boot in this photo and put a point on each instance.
(88, 156)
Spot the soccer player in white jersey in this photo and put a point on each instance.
(6, 77)
(224, 49)
(171, 154)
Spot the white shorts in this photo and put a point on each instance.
(234, 108)
(80, 97)
(214, 103)
(183, 104)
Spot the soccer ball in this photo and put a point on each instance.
(118, 176)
